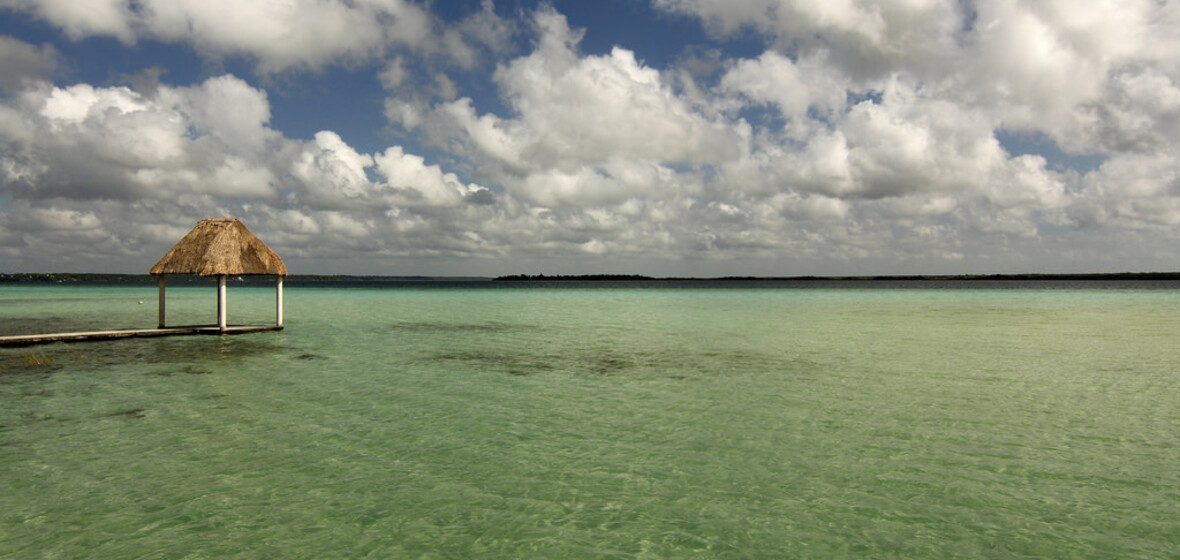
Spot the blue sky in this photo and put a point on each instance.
(662, 137)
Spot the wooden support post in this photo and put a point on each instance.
(279, 301)
(161, 301)
(221, 302)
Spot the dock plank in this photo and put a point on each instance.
(47, 338)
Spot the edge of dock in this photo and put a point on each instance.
(34, 339)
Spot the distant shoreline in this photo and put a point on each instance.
(878, 278)
(312, 279)
(193, 280)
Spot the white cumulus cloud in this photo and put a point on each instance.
(278, 35)
(883, 136)
(585, 129)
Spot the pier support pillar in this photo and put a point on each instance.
(221, 302)
(279, 301)
(161, 301)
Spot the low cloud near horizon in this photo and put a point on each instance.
(902, 136)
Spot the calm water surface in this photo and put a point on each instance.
(596, 423)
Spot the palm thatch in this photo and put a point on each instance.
(220, 246)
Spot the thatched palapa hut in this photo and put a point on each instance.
(222, 247)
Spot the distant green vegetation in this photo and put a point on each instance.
(635, 277)
(187, 279)
(583, 277)
(345, 280)
(77, 278)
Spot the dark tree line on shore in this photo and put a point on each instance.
(313, 279)
(909, 278)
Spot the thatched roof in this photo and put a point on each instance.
(220, 246)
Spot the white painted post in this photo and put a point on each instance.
(221, 302)
(279, 302)
(161, 301)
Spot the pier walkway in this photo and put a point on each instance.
(32, 339)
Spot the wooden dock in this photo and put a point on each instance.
(32, 339)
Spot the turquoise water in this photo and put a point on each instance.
(596, 423)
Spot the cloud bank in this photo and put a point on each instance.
(866, 137)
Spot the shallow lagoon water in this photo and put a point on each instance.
(473, 422)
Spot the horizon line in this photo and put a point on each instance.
(50, 276)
